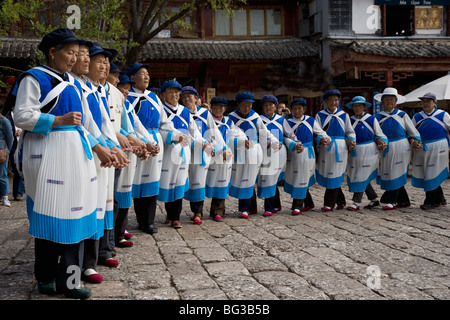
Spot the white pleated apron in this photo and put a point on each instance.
(394, 165)
(271, 168)
(198, 171)
(300, 172)
(430, 167)
(245, 171)
(362, 166)
(332, 163)
(62, 187)
(218, 178)
(125, 182)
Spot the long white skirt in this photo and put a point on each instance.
(125, 182)
(272, 166)
(300, 173)
(198, 170)
(174, 173)
(363, 167)
(332, 164)
(430, 168)
(394, 165)
(61, 184)
(218, 178)
(147, 175)
(245, 171)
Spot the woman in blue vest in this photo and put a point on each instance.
(332, 160)
(58, 165)
(394, 164)
(177, 154)
(248, 152)
(363, 161)
(430, 165)
(301, 161)
(273, 165)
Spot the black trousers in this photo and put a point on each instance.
(90, 253)
(173, 209)
(197, 207)
(334, 196)
(248, 204)
(121, 224)
(52, 260)
(217, 207)
(434, 197)
(145, 209)
(273, 202)
(302, 203)
(397, 196)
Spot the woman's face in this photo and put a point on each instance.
(428, 105)
(189, 100)
(172, 95)
(269, 108)
(63, 60)
(389, 102)
(298, 110)
(81, 67)
(332, 102)
(124, 88)
(218, 110)
(358, 109)
(244, 107)
(142, 79)
(97, 67)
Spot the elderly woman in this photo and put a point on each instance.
(394, 164)
(363, 161)
(201, 158)
(332, 160)
(58, 165)
(301, 160)
(430, 165)
(177, 156)
(248, 153)
(273, 164)
(157, 129)
(219, 173)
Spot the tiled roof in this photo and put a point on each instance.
(276, 49)
(403, 48)
(188, 49)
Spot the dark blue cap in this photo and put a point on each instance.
(113, 68)
(189, 89)
(133, 68)
(298, 101)
(58, 36)
(219, 101)
(98, 50)
(269, 97)
(170, 84)
(245, 96)
(123, 78)
(332, 92)
(429, 95)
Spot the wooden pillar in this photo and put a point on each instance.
(389, 78)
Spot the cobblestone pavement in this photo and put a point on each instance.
(372, 254)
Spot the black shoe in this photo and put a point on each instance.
(47, 288)
(150, 229)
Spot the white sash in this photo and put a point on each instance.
(333, 115)
(267, 121)
(178, 114)
(396, 117)
(140, 95)
(363, 121)
(241, 120)
(432, 117)
(298, 123)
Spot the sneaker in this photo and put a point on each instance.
(6, 202)
(267, 214)
(389, 206)
(296, 212)
(353, 207)
(325, 208)
(244, 215)
(372, 204)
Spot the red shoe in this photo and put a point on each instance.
(372, 204)
(340, 207)
(389, 206)
(218, 218)
(308, 208)
(127, 235)
(124, 244)
(267, 214)
(244, 215)
(404, 205)
(253, 211)
(110, 263)
(296, 212)
(198, 220)
(325, 208)
(353, 207)
(93, 276)
(277, 210)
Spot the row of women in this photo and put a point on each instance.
(95, 141)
